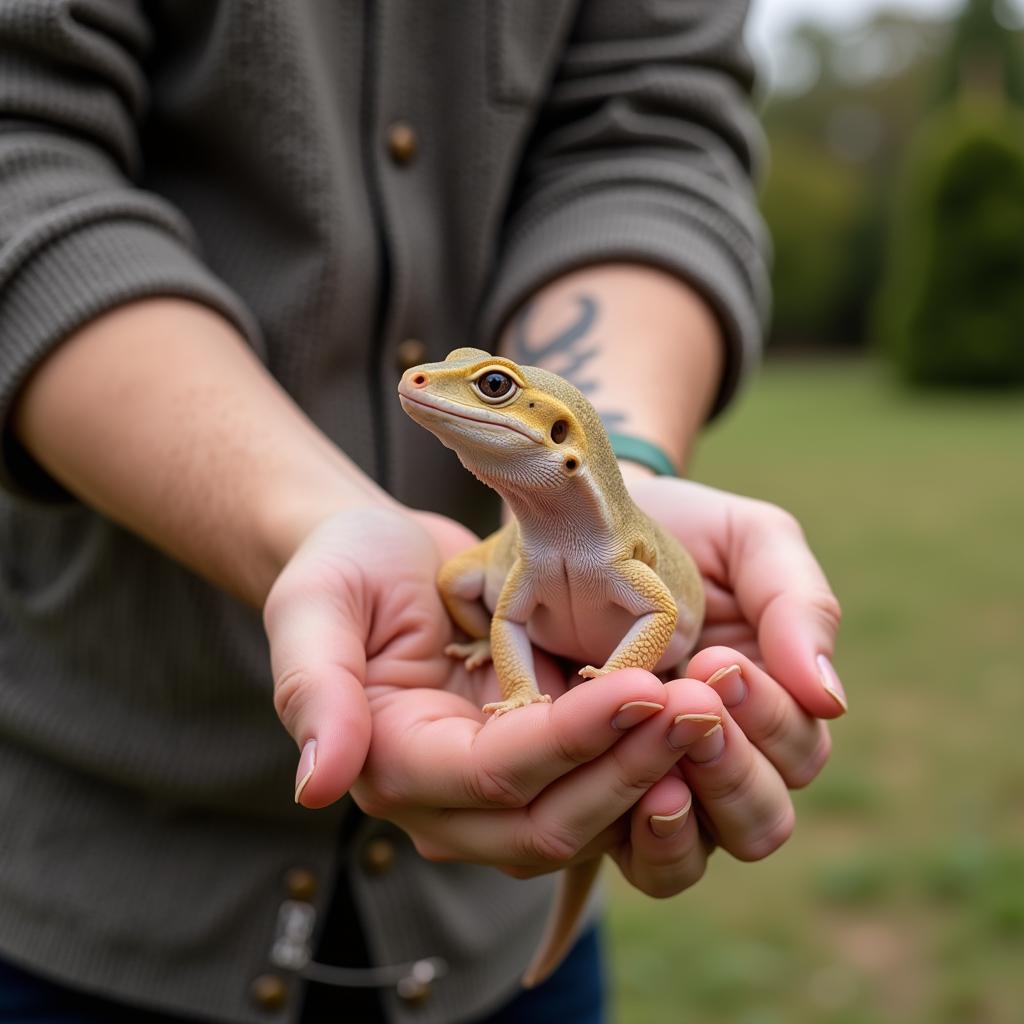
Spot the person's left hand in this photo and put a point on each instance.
(768, 638)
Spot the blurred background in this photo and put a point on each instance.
(890, 418)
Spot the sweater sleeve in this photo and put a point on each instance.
(644, 151)
(78, 236)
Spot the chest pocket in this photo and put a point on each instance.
(524, 39)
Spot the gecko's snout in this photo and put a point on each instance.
(416, 379)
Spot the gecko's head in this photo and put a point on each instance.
(511, 425)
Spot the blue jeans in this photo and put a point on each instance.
(574, 994)
(29, 999)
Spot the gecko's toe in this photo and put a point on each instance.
(503, 707)
(589, 672)
(475, 652)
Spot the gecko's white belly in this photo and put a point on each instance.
(579, 614)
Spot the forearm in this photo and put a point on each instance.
(159, 415)
(641, 345)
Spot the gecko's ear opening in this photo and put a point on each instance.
(572, 464)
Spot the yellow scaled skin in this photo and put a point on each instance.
(580, 572)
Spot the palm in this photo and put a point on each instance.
(363, 588)
(410, 682)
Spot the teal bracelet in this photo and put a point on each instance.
(636, 450)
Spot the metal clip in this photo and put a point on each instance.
(292, 950)
(293, 935)
(406, 978)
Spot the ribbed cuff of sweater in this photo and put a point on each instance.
(72, 279)
(642, 226)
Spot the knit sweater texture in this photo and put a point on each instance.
(241, 154)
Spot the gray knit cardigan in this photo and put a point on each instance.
(336, 177)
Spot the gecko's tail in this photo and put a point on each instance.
(574, 888)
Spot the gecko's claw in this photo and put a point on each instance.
(589, 672)
(503, 707)
(475, 652)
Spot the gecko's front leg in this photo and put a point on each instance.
(511, 650)
(513, 659)
(642, 592)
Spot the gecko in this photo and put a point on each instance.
(579, 570)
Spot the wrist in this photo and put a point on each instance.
(635, 471)
(294, 510)
(640, 452)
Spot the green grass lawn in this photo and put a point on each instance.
(900, 897)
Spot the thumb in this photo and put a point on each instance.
(797, 635)
(781, 589)
(318, 660)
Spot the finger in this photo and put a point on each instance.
(665, 853)
(569, 814)
(796, 743)
(736, 636)
(781, 589)
(744, 799)
(452, 762)
(720, 603)
(318, 664)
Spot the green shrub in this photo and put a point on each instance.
(952, 307)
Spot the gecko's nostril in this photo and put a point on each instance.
(419, 380)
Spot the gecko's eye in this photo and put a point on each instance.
(495, 386)
(559, 431)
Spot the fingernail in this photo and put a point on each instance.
(664, 826)
(687, 729)
(729, 684)
(708, 747)
(829, 679)
(307, 763)
(635, 712)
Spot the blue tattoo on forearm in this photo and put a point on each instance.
(567, 353)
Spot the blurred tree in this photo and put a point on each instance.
(837, 128)
(951, 309)
(813, 205)
(983, 55)
(845, 105)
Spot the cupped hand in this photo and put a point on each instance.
(356, 606)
